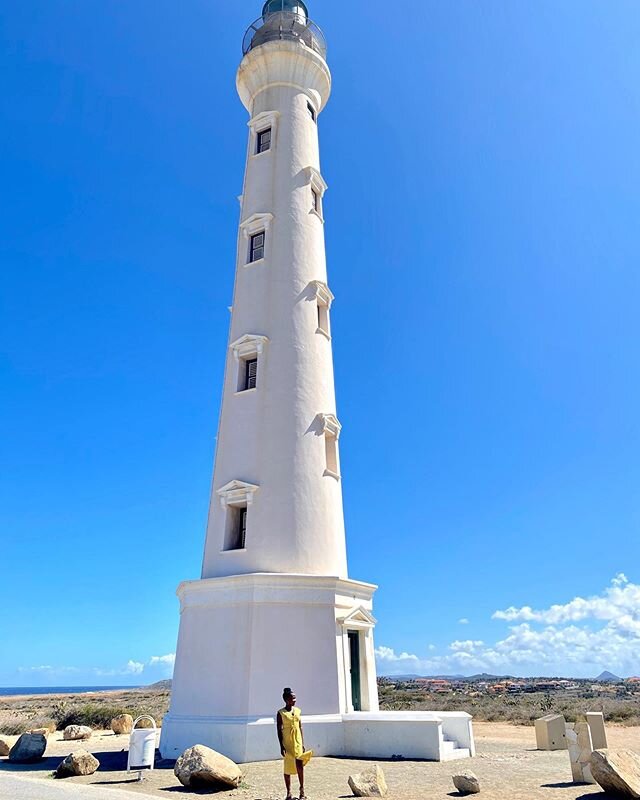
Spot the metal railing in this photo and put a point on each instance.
(284, 25)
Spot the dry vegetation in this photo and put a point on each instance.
(19, 714)
(519, 709)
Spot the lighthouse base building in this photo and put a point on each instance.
(243, 637)
(275, 606)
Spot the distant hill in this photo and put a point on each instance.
(162, 685)
(484, 676)
(413, 677)
(608, 677)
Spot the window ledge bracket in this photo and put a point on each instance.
(253, 263)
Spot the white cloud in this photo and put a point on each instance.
(169, 660)
(468, 645)
(620, 599)
(132, 667)
(388, 654)
(463, 621)
(580, 637)
(48, 668)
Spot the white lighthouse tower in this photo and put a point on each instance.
(275, 606)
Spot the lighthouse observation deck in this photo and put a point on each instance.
(284, 19)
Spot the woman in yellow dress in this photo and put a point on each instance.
(292, 742)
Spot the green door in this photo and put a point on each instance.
(354, 652)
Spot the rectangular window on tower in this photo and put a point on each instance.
(263, 141)
(236, 533)
(331, 450)
(323, 319)
(250, 373)
(241, 538)
(247, 374)
(256, 246)
(315, 201)
(312, 111)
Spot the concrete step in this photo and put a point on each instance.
(455, 754)
(448, 746)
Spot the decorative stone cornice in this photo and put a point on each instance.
(263, 120)
(316, 180)
(256, 223)
(322, 293)
(236, 493)
(358, 617)
(276, 587)
(330, 425)
(251, 344)
(283, 63)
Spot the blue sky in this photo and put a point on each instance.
(482, 239)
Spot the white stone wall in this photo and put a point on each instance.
(244, 638)
(272, 437)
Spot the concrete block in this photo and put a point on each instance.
(580, 749)
(550, 732)
(595, 720)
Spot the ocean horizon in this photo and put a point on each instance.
(7, 691)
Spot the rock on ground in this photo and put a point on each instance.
(617, 771)
(77, 732)
(43, 731)
(368, 783)
(4, 747)
(200, 765)
(123, 723)
(79, 763)
(145, 723)
(466, 782)
(29, 748)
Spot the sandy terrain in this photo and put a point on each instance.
(507, 764)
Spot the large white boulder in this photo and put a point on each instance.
(617, 771)
(77, 732)
(200, 765)
(123, 723)
(79, 763)
(466, 782)
(368, 783)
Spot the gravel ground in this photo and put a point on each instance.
(507, 764)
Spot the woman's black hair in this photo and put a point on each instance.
(286, 692)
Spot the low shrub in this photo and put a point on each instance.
(15, 728)
(99, 715)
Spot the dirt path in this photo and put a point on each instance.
(507, 764)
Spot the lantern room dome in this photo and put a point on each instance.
(284, 19)
(296, 7)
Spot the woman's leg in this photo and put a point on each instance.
(287, 783)
(300, 771)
